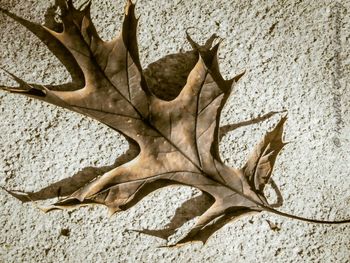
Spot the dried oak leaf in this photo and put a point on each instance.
(169, 113)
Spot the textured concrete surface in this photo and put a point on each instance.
(296, 57)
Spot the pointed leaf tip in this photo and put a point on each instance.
(236, 78)
(23, 88)
(193, 44)
(129, 7)
(48, 208)
(21, 196)
(209, 43)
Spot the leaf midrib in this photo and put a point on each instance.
(160, 133)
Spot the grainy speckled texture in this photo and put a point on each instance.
(296, 54)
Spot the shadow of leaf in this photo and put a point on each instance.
(279, 201)
(69, 185)
(188, 210)
(231, 127)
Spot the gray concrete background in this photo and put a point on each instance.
(296, 54)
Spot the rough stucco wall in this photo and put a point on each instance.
(296, 57)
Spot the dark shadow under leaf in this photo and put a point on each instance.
(231, 127)
(187, 211)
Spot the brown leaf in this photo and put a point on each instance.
(169, 113)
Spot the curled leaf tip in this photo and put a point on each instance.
(19, 195)
(129, 8)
